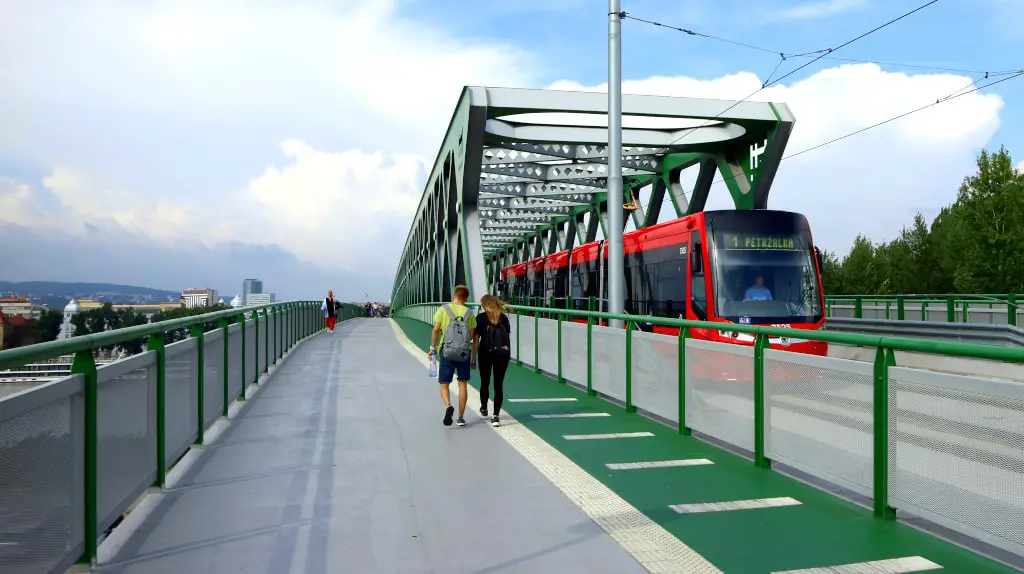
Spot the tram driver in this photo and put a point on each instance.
(757, 291)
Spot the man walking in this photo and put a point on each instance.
(454, 325)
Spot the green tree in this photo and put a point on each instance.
(832, 273)
(48, 324)
(859, 268)
(974, 245)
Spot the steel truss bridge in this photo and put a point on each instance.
(523, 173)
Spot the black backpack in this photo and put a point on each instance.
(498, 340)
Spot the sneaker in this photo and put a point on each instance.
(483, 411)
(461, 422)
(448, 415)
(495, 422)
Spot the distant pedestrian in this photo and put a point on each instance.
(492, 348)
(452, 340)
(330, 307)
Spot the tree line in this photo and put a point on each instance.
(974, 245)
(105, 318)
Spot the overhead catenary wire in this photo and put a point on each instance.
(787, 55)
(820, 54)
(941, 100)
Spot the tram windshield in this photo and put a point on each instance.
(765, 273)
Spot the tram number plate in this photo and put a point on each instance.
(682, 249)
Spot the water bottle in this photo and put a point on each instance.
(433, 366)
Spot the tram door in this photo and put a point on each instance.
(697, 286)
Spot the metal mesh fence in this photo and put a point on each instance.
(819, 417)
(655, 374)
(251, 360)
(213, 376)
(547, 341)
(126, 421)
(181, 392)
(41, 477)
(609, 353)
(574, 353)
(272, 338)
(956, 443)
(956, 453)
(513, 321)
(261, 351)
(527, 337)
(234, 365)
(720, 391)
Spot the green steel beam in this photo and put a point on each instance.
(521, 171)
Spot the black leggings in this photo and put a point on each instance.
(499, 365)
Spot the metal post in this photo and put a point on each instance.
(616, 274)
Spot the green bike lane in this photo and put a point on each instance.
(821, 531)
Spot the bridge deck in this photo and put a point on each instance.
(341, 464)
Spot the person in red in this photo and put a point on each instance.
(330, 309)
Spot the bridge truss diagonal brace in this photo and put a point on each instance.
(523, 173)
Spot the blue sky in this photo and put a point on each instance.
(979, 35)
(294, 138)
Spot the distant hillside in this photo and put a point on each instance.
(56, 294)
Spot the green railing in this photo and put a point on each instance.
(981, 308)
(807, 412)
(77, 452)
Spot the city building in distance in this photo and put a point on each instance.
(259, 299)
(15, 306)
(249, 287)
(193, 298)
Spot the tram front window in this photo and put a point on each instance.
(765, 278)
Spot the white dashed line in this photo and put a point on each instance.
(606, 435)
(891, 566)
(658, 464)
(734, 505)
(572, 416)
(547, 400)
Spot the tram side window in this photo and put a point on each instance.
(562, 283)
(668, 280)
(579, 281)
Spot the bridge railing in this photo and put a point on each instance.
(77, 452)
(995, 309)
(946, 448)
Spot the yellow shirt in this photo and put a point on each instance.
(441, 316)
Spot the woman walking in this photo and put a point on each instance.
(330, 309)
(492, 347)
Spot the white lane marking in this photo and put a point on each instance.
(606, 435)
(890, 566)
(649, 543)
(734, 505)
(547, 400)
(572, 416)
(658, 464)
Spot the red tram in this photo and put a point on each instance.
(744, 267)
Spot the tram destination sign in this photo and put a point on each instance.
(761, 242)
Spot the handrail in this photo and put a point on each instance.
(19, 356)
(968, 350)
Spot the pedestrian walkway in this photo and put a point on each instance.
(340, 464)
(719, 505)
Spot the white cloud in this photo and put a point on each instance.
(1020, 167)
(310, 126)
(160, 119)
(873, 182)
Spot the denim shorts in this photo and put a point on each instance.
(447, 369)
